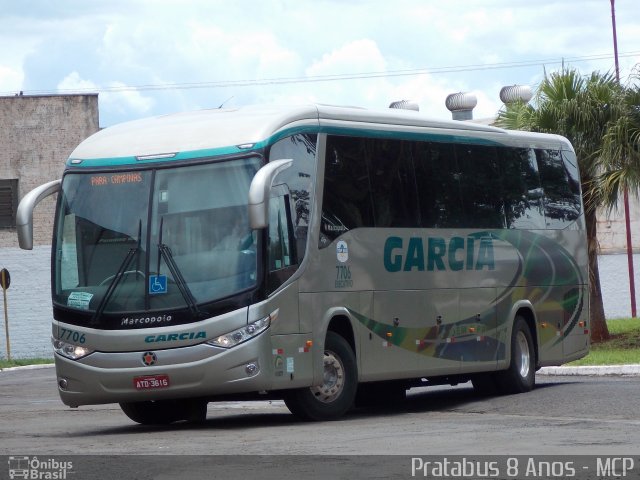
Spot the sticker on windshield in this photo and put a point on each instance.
(157, 284)
(342, 251)
(79, 300)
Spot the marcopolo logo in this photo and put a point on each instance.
(475, 252)
(132, 321)
(34, 468)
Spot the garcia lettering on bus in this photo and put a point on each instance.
(437, 253)
(174, 337)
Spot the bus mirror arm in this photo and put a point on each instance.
(24, 215)
(260, 191)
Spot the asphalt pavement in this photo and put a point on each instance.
(588, 370)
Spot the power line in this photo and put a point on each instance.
(335, 77)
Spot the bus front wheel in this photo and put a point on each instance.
(335, 395)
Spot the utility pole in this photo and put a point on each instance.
(632, 285)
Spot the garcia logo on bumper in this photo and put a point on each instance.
(174, 337)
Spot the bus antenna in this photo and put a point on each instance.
(222, 104)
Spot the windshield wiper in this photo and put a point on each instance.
(166, 254)
(117, 277)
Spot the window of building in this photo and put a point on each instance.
(8, 202)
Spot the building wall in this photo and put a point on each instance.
(37, 134)
(612, 231)
(29, 310)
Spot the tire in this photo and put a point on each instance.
(164, 412)
(521, 375)
(335, 396)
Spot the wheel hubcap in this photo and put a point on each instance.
(523, 355)
(333, 379)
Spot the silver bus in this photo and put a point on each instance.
(324, 255)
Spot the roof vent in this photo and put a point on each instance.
(516, 93)
(461, 105)
(405, 105)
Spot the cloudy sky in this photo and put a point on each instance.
(149, 57)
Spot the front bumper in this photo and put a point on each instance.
(194, 371)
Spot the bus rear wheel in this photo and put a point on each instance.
(335, 395)
(164, 412)
(521, 375)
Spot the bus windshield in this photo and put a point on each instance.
(155, 239)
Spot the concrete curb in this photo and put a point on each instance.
(28, 367)
(593, 370)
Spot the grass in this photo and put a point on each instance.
(20, 362)
(623, 347)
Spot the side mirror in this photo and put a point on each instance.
(260, 191)
(24, 215)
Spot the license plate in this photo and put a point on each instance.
(151, 382)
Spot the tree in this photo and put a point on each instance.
(602, 122)
(619, 160)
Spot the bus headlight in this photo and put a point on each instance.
(68, 350)
(243, 334)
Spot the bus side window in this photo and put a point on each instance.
(480, 189)
(521, 188)
(438, 185)
(392, 182)
(347, 202)
(281, 245)
(299, 179)
(561, 203)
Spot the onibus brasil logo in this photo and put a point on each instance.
(34, 468)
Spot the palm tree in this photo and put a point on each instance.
(619, 161)
(599, 118)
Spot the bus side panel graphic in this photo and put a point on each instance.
(544, 266)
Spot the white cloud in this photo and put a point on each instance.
(143, 42)
(427, 91)
(73, 83)
(122, 101)
(126, 100)
(261, 53)
(488, 104)
(10, 79)
(358, 56)
(117, 46)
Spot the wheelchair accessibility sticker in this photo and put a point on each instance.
(157, 284)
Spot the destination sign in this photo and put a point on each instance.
(116, 179)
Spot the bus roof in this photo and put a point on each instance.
(217, 131)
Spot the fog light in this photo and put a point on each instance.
(63, 383)
(251, 369)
